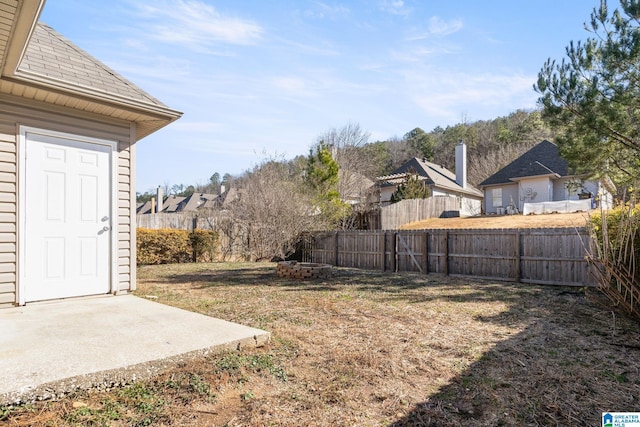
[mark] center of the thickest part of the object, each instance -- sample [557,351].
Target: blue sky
[256,77]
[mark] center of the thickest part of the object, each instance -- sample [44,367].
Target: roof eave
[53,84]
[460,190]
[24,23]
[160,115]
[545,175]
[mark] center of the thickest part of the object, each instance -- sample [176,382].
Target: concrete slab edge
[106,380]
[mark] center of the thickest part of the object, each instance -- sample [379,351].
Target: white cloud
[395,7]
[194,24]
[447,95]
[418,54]
[310,49]
[323,10]
[437,27]
[440,27]
[291,84]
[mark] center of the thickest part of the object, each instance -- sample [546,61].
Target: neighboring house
[440,181]
[541,176]
[172,204]
[68,128]
[354,187]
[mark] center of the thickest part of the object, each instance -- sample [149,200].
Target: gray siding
[15,112]
[509,193]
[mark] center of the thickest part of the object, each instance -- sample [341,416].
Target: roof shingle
[52,56]
[542,159]
[436,175]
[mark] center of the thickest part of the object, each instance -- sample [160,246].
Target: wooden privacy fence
[177,221]
[232,239]
[396,215]
[541,256]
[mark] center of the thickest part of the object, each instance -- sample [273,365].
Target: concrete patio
[53,348]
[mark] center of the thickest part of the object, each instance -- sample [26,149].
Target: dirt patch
[370,349]
[504,221]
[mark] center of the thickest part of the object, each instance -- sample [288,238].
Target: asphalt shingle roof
[542,159]
[52,56]
[436,175]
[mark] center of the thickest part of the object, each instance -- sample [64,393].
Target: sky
[257,79]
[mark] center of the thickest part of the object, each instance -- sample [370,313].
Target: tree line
[491,145]
[277,200]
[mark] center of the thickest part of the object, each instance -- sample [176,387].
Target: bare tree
[270,210]
[481,167]
[346,146]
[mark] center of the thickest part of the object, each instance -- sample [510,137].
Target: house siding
[16,112]
[560,191]
[509,194]
[535,190]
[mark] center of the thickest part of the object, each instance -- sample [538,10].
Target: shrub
[616,256]
[203,244]
[163,246]
[168,246]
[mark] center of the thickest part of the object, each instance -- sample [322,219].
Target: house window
[496,197]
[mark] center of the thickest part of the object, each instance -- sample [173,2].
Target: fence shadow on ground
[558,370]
[363,280]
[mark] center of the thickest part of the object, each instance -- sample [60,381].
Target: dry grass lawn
[371,349]
[504,221]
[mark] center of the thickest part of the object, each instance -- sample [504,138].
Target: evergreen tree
[591,96]
[322,179]
[421,142]
[412,188]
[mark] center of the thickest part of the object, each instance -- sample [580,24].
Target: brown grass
[372,349]
[504,221]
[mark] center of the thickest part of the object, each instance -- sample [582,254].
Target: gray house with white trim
[542,176]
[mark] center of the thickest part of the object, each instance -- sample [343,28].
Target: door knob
[105,228]
[105,218]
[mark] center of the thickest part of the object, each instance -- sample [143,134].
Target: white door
[67,224]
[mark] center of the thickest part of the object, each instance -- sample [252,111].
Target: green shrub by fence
[167,246]
[204,244]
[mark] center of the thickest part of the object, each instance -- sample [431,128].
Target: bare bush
[270,212]
[615,254]
[346,146]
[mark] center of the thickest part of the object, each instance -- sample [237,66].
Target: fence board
[231,237]
[547,256]
[177,221]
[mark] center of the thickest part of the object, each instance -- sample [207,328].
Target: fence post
[336,251]
[394,252]
[426,252]
[518,250]
[446,253]
[384,251]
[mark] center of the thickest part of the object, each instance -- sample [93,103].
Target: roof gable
[542,159]
[436,175]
